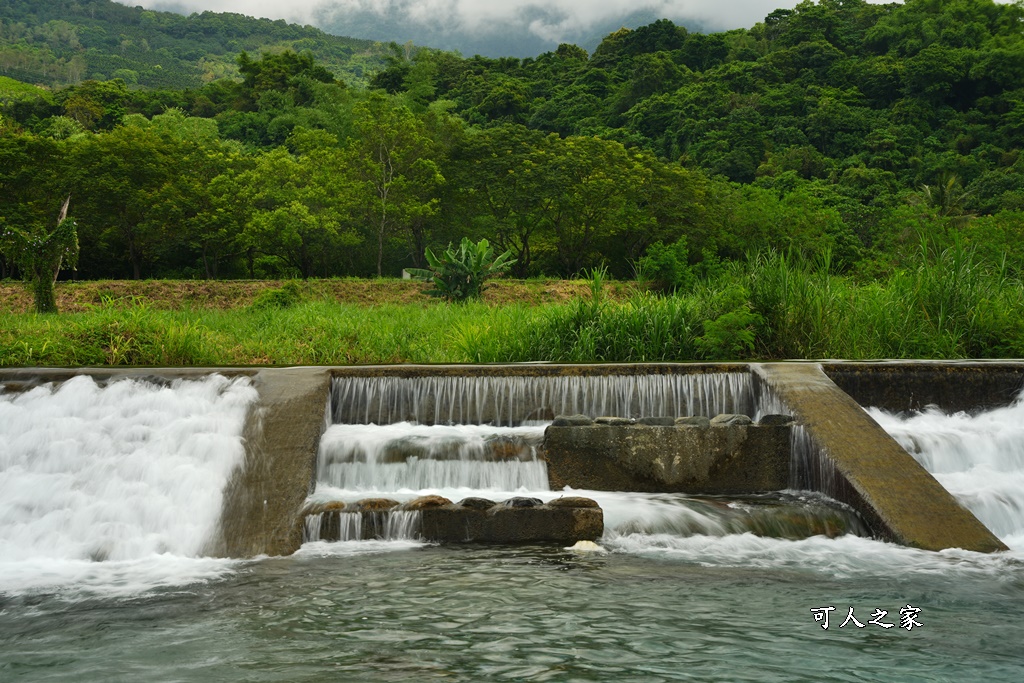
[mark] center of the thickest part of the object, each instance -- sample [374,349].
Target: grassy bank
[79,297]
[950,306]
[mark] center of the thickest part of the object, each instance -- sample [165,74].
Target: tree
[119,177]
[502,176]
[391,160]
[596,193]
[297,205]
[30,175]
[41,254]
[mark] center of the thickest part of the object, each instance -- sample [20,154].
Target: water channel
[108,494]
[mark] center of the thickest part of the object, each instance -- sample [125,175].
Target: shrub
[285,296]
[459,275]
[667,266]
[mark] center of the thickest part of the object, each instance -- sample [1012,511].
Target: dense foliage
[62,42]
[839,130]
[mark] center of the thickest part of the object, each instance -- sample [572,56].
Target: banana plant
[459,274]
[41,254]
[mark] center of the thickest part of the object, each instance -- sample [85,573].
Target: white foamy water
[412,457]
[841,557]
[116,487]
[979,459]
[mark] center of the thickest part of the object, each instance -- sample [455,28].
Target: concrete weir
[637,444]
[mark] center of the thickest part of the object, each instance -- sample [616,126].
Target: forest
[839,131]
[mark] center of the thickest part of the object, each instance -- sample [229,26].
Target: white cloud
[560,17]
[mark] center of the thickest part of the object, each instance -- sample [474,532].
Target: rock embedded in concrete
[573,502]
[657,421]
[729,420]
[572,421]
[614,421]
[424,502]
[693,421]
[522,502]
[507,524]
[318,508]
[475,503]
[516,520]
[375,504]
[775,420]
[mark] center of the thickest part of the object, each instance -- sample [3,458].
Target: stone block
[681,459]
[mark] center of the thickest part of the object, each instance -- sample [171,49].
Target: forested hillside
[840,130]
[63,42]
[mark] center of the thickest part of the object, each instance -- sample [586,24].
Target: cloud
[557,18]
[551,20]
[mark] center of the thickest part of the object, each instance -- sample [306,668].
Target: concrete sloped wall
[858,463]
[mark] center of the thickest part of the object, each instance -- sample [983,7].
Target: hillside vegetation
[63,42]
[872,138]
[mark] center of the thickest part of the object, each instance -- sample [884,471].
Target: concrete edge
[861,465]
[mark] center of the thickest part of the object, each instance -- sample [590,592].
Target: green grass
[949,306]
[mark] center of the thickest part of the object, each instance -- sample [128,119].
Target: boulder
[693,421]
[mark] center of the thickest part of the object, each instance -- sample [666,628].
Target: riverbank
[949,307]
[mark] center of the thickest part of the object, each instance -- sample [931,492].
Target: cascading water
[393,457]
[978,458]
[512,400]
[401,438]
[119,473]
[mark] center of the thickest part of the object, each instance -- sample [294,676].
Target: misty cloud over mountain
[518,28]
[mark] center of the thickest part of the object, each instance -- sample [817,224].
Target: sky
[562,17]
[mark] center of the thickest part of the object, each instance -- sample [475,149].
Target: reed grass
[951,305]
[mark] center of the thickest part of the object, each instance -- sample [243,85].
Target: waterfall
[978,458]
[399,456]
[388,525]
[513,400]
[120,471]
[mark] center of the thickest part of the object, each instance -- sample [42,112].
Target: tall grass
[950,305]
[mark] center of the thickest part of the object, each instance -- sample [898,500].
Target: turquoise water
[734,608]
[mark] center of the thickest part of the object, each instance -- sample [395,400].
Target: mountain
[61,42]
[517,29]
[530,32]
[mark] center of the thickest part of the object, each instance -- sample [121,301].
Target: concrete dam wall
[645,427]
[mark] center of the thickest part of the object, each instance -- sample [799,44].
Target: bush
[285,296]
[667,267]
[460,275]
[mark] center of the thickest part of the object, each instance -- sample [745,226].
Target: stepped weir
[317,437]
